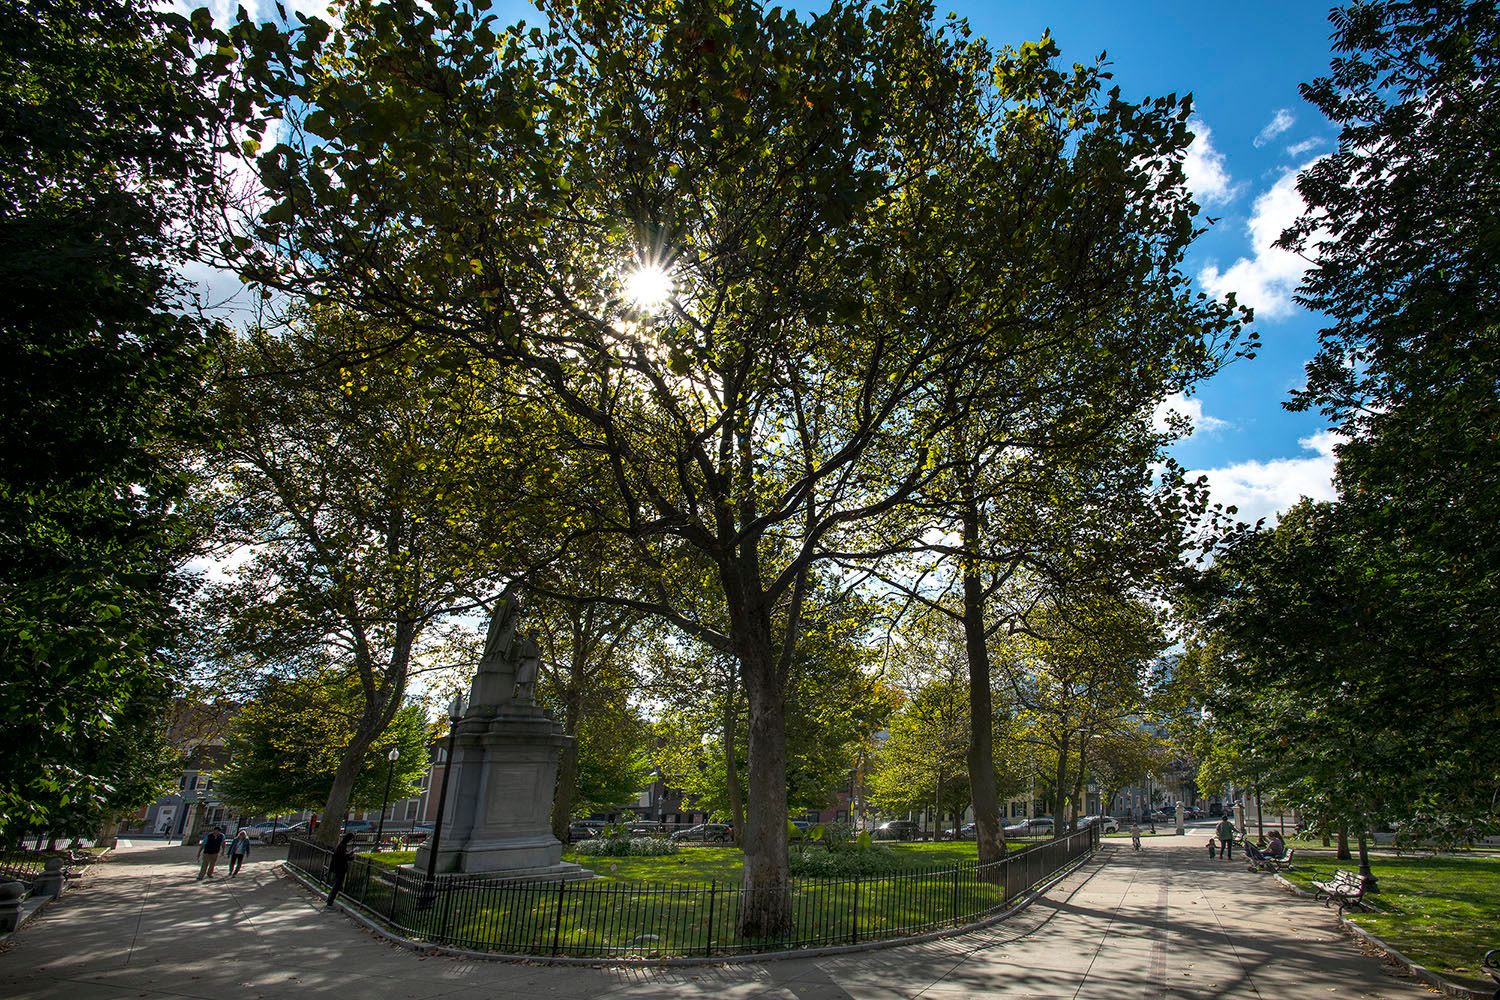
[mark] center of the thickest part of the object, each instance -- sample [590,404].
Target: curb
[428,948]
[1421,972]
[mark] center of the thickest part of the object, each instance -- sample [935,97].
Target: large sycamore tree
[363,496]
[716,241]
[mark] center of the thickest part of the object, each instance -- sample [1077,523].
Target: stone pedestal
[499,812]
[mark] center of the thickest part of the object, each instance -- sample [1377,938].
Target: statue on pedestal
[504,767]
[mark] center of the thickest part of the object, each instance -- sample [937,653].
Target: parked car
[584,829]
[284,833]
[359,826]
[1107,824]
[1037,826]
[706,833]
[647,828]
[256,829]
[898,829]
[802,826]
[1192,812]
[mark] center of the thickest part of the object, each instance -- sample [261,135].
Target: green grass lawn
[687,904]
[697,865]
[1441,912]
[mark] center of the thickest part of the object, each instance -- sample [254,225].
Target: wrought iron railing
[603,919]
[22,866]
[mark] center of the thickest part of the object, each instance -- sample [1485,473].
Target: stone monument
[498,817]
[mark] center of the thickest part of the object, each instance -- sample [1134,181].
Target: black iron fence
[600,919]
[22,866]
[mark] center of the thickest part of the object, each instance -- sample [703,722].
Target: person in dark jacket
[338,866]
[208,852]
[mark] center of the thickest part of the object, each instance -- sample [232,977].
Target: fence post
[442,934]
[854,915]
[713,888]
[956,871]
[562,887]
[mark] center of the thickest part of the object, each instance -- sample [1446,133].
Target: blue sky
[1242,63]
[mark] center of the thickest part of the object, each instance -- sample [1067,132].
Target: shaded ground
[1165,922]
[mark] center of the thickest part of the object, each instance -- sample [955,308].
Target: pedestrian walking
[239,850]
[338,866]
[208,852]
[1225,833]
[1135,834]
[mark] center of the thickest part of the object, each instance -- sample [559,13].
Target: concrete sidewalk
[1165,922]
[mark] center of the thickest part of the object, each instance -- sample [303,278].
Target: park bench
[1270,863]
[1345,888]
[1492,966]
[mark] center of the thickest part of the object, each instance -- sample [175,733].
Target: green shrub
[390,859]
[846,863]
[624,847]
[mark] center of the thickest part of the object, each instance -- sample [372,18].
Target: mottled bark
[988,831]
[766,910]
[566,789]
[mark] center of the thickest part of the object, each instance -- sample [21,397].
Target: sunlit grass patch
[1441,912]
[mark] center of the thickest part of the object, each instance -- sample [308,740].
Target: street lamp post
[385,799]
[1151,801]
[455,716]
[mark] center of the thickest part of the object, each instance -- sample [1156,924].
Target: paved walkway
[1164,923]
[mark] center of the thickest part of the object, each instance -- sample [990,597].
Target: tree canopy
[287,745]
[801,187]
[107,125]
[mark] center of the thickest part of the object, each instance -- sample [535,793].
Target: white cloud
[1266,280]
[1192,409]
[1305,146]
[1279,123]
[1265,489]
[1207,176]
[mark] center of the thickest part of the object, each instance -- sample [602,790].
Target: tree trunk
[108,835]
[1063,748]
[988,832]
[766,910]
[1366,877]
[372,722]
[1343,853]
[567,762]
[1078,783]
